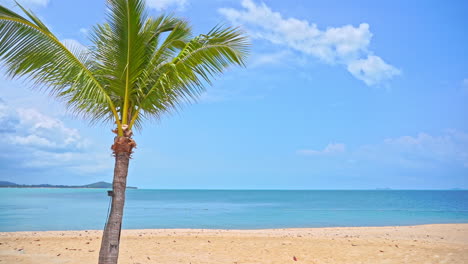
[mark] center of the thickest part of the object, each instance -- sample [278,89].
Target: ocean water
[81,209]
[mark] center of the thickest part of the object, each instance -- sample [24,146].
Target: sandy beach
[447,243]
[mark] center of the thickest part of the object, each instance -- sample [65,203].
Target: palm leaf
[132,72]
[29,49]
[183,79]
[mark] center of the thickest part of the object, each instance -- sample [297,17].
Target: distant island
[96,185]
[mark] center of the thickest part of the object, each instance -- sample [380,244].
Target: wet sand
[447,243]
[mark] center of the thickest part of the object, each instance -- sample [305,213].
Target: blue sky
[335,95]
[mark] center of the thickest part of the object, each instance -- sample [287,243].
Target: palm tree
[137,68]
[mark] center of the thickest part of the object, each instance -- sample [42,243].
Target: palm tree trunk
[109,252]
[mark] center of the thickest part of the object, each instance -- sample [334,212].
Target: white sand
[351,245]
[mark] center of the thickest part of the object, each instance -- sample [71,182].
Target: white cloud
[372,70]
[39,130]
[45,142]
[165,4]
[422,150]
[269,58]
[346,45]
[31,140]
[452,146]
[330,149]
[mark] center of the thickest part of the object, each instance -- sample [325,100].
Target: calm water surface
[79,209]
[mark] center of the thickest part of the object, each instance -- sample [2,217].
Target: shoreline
[435,243]
[242,230]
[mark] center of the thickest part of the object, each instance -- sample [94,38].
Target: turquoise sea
[80,209]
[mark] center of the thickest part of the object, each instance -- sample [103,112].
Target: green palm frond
[137,67]
[29,49]
[183,78]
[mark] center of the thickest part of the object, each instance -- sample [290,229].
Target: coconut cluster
[123,144]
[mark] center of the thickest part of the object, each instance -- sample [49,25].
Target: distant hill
[7,184]
[100,185]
